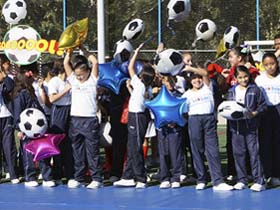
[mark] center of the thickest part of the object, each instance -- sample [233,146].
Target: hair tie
[28,74]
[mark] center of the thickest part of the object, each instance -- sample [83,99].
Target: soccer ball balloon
[24,53]
[178,10]
[231,37]
[33,123]
[123,51]
[14,11]
[133,29]
[231,110]
[205,30]
[169,61]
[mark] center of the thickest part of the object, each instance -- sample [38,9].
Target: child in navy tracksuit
[138,119]
[203,130]
[84,124]
[24,97]
[244,132]
[170,145]
[7,139]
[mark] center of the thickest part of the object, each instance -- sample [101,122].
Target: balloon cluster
[14,11]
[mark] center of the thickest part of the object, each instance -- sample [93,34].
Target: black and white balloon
[231,37]
[14,11]
[178,10]
[123,50]
[33,123]
[133,29]
[205,30]
[169,62]
[27,36]
[231,110]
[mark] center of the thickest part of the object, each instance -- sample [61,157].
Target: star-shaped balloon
[167,108]
[74,35]
[138,66]
[45,146]
[110,76]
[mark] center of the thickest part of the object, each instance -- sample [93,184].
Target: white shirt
[270,88]
[240,94]
[4,112]
[57,85]
[84,102]
[39,93]
[137,97]
[201,101]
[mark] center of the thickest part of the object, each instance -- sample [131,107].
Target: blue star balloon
[110,76]
[138,66]
[167,108]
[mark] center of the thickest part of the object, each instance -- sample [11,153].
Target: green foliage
[47,18]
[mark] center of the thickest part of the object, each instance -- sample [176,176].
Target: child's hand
[20,135]
[249,115]
[139,47]
[225,73]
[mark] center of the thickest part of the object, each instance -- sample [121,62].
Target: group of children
[70,97]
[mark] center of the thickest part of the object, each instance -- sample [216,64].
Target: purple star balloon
[167,108]
[45,146]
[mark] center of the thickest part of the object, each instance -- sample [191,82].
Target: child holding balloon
[203,130]
[24,97]
[138,119]
[245,131]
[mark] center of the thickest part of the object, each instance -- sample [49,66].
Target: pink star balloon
[45,146]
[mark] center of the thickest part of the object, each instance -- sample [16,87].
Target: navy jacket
[22,101]
[254,101]
[6,90]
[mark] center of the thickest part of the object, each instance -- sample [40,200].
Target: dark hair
[47,68]
[22,81]
[171,80]
[277,36]
[147,74]
[273,56]
[244,53]
[80,62]
[244,69]
[270,55]
[58,66]
[30,67]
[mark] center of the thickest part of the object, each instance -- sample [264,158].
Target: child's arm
[200,71]
[94,61]
[56,96]
[66,63]
[131,69]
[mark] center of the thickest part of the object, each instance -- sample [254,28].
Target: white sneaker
[48,184]
[165,185]
[230,178]
[223,187]
[183,178]
[15,181]
[200,186]
[31,184]
[94,185]
[72,183]
[257,187]
[239,186]
[40,177]
[175,185]
[140,185]
[7,176]
[125,183]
